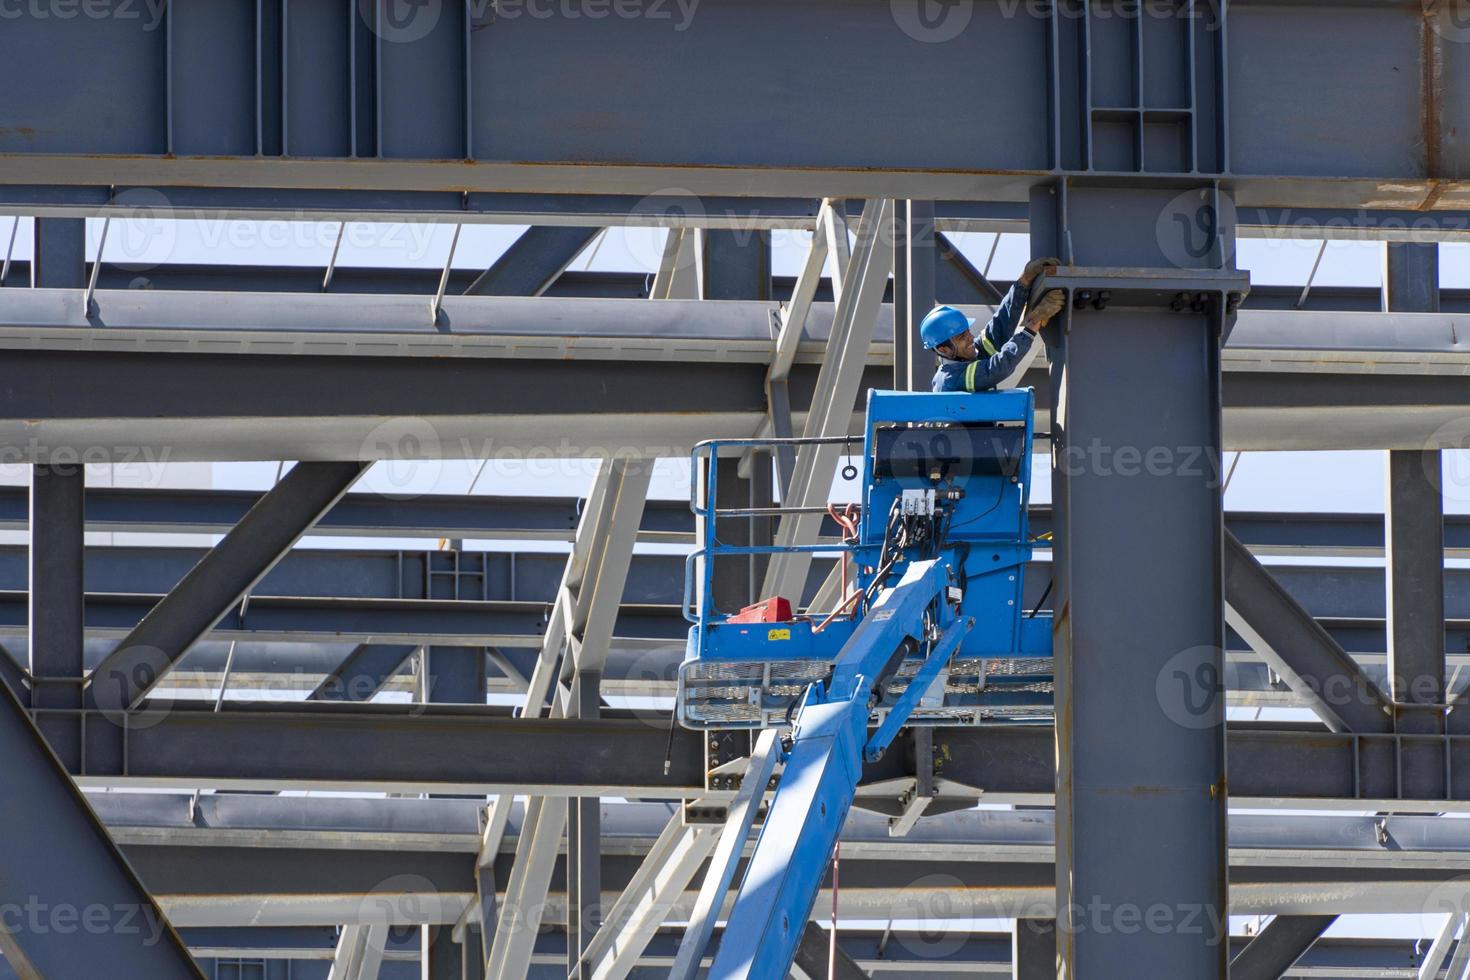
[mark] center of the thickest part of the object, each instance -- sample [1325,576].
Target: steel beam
[82,910]
[1034,949]
[1137,545]
[1414,517]
[813,957]
[698,124]
[737,265]
[440,956]
[740,814]
[60,250]
[838,384]
[514,518]
[573,653]
[591,388]
[220,581]
[55,619]
[1271,953]
[362,675]
[359,952]
[913,366]
[533,262]
[1298,648]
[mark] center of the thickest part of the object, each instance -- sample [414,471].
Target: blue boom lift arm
[932,632]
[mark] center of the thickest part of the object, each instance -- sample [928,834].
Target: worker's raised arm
[1007,317]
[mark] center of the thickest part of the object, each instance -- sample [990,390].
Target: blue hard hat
[943,323]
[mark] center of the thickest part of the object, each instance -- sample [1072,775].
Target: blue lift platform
[932,630]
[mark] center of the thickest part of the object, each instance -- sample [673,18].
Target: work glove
[1048,306]
[1036,267]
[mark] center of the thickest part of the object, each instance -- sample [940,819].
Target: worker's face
[963,347]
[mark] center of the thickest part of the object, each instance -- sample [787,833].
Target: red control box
[777,610]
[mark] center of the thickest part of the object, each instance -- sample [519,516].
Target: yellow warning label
[778,635]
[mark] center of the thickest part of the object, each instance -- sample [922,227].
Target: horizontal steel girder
[482,113]
[361,377]
[243,848]
[429,748]
[669,211]
[508,518]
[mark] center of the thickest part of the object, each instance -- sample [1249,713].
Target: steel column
[914,279]
[863,286]
[1034,949]
[1275,948]
[60,253]
[533,262]
[439,955]
[584,844]
[453,675]
[1140,784]
[57,601]
[737,264]
[219,582]
[1414,518]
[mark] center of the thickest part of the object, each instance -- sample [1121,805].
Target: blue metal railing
[704,460]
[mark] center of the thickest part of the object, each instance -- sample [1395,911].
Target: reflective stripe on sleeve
[970,375]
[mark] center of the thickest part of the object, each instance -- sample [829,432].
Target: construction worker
[964,364]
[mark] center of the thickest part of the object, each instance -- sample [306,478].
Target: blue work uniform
[1001,348]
